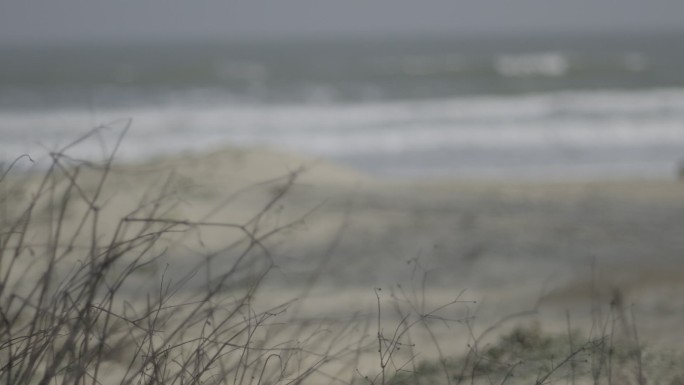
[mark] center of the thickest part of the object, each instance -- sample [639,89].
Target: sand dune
[510,245]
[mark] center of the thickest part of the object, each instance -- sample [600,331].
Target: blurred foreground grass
[87,297]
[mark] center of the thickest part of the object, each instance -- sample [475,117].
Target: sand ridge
[509,244]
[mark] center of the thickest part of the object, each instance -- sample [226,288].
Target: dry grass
[84,300]
[70,313]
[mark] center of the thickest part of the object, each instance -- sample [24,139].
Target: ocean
[604,107]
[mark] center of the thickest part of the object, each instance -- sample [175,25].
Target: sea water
[521,107]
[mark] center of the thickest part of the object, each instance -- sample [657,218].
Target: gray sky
[65,21]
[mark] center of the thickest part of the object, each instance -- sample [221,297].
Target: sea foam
[562,128]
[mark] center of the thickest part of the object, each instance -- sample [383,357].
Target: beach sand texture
[558,248]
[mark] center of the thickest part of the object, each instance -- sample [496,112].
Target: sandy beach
[342,193]
[557,249]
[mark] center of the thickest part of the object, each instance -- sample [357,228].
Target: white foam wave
[568,121]
[551,64]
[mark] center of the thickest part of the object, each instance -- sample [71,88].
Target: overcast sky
[65,21]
